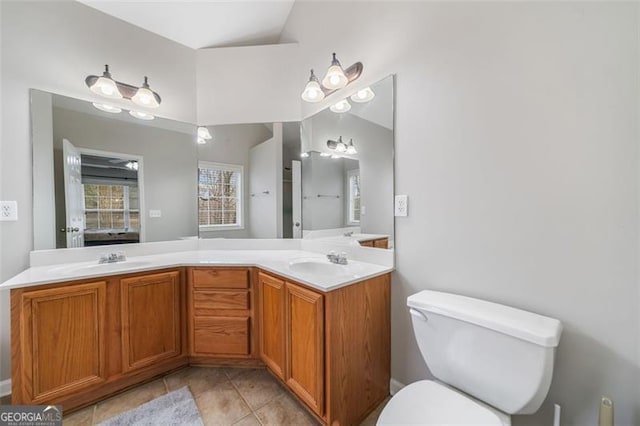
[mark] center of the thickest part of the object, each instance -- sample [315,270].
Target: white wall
[251,84]
[516,141]
[324,176]
[53,46]
[265,175]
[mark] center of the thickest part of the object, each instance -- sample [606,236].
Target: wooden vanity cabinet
[271,318]
[77,342]
[151,319]
[220,315]
[305,345]
[60,343]
[332,349]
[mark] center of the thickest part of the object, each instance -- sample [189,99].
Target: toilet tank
[498,354]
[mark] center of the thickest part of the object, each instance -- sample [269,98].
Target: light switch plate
[401,207]
[8,211]
[155,213]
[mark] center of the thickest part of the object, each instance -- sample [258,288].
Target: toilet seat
[431,403]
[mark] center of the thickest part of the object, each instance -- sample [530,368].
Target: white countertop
[323,276]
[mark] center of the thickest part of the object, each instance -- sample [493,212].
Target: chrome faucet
[340,259]
[116,256]
[348,234]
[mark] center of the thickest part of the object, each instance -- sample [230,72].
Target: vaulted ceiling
[204,23]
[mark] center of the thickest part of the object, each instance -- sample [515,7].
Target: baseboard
[5,387]
[395,386]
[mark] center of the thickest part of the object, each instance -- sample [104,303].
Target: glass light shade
[351,150]
[141,115]
[340,106]
[335,156]
[145,98]
[335,78]
[107,108]
[201,141]
[132,165]
[312,92]
[105,86]
[203,133]
[304,155]
[325,154]
[341,146]
[363,95]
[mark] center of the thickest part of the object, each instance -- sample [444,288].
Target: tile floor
[224,396]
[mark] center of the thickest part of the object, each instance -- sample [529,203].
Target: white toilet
[490,360]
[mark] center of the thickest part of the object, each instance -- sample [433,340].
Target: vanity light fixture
[340,106]
[141,115]
[312,91]
[335,79]
[335,156]
[325,154]
[304,155]
[107,108]
[363,95]
[112,89]
[203,135]
[337,146]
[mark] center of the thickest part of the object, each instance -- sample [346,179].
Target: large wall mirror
[245,186]
[105,177]
[347,169]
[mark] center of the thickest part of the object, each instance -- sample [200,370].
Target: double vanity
[83,331]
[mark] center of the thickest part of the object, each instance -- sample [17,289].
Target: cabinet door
[151,319]
[272,327]
[305,345]
[63,338]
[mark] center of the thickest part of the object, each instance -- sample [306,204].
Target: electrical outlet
[8,210]
[401,205]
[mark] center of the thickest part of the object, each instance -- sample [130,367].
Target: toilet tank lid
[534,328]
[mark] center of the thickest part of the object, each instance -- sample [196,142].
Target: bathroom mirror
[347,169]
[104,178]
[246,185]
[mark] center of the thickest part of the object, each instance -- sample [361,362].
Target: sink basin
[318,267]
[94,268]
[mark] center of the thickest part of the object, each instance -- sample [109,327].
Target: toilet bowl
[489,361]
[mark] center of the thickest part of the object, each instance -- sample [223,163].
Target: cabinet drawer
[220,278]
[206,301]
[221,335]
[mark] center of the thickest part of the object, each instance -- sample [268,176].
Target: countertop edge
[331,283]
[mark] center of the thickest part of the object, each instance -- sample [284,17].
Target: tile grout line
[93,413]
[253,412]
